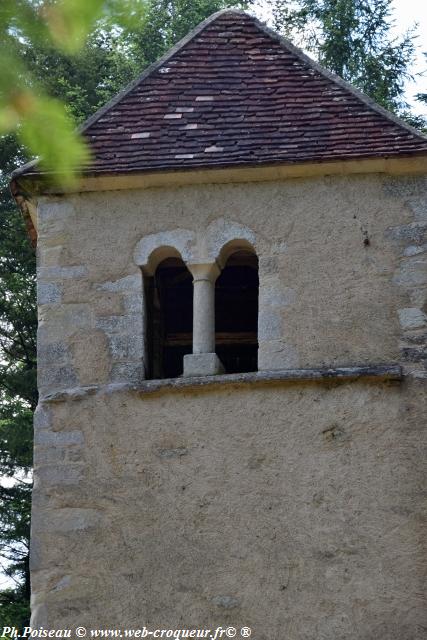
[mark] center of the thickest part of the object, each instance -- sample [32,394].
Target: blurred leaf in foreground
[42,124]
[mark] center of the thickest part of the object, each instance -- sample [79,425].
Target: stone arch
[234,246]
[154,248]
[226,246]
[222,237]
[157,256]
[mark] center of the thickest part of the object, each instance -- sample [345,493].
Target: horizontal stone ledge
[379,372]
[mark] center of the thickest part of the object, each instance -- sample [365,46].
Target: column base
[202,364]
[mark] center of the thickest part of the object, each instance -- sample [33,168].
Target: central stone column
[203,361]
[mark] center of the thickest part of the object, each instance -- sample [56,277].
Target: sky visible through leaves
[406,13]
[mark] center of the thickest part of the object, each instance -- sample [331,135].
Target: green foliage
[112,54]
[416,121]
[352,38]
[100,39]
[422,97]
[43,125]
[70,21]
[24,107]
[17,316]
[87,80]
[14,609]
[18,395]
[164,22]
[62,155]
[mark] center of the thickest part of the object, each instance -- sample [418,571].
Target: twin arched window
[169,307]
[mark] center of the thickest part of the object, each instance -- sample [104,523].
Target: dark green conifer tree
[111,57]
[353,38]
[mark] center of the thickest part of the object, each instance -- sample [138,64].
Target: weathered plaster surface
[299,504]
[339,257]
[293,509]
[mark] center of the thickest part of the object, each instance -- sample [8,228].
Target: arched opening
[236,312]
[169,306]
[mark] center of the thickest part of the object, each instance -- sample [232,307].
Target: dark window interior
[169,295]
[236,313]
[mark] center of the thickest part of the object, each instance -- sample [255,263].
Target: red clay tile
[255,99]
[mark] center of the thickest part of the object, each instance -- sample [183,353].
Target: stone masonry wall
[342,272]
[410,274]
[291,508]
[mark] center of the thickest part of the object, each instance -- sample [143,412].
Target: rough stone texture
[412,318]
[411,272]
[48,293]
[326,297]
[87,326]
[180,239]
[293,508]
[202,364]
[90,357]
[194,247]
[336,374]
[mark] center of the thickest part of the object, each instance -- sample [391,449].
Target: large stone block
[59,322]
[111,304]
[54,378]
[48,292]
[54,217]
[58,475]
[270,323]
[67,519]
[414,233]
[42,418]
[412,318]
[128,284]
[53,353]
[61,273]
[276,354]
[126,347]
[129,324]
[128,372]
[91,357]
[202,364]
[58,438]
[412,273]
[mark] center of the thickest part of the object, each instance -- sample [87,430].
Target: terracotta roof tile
[235,93]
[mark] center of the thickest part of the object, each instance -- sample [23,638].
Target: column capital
[204,271]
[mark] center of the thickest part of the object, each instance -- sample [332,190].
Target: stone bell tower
[232,364]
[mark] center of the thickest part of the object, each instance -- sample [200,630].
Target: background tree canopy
[353,38]
[60,60]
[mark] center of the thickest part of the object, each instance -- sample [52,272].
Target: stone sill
[373,372]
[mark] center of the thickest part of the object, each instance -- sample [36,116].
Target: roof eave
[26,169]
[93,180]
[25,189]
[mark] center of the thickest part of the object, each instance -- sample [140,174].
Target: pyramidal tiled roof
[235,93]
